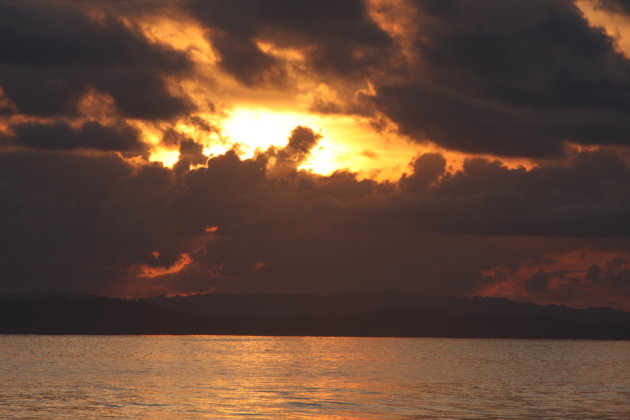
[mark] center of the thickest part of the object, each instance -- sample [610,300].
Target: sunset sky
[443,147]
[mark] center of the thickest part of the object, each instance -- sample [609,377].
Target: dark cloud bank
[51,52]
[519,78]
[87,223]
[339,35]
[509,78]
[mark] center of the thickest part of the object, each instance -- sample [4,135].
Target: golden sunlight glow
[347,142]
[324,158]
[261,118]
[252,120]
[167,157]
[182,34]
[259,129]
[289,54]
[216,150]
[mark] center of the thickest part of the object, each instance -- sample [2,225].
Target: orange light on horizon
[566,275]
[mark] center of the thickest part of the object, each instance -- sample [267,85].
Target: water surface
[223,377]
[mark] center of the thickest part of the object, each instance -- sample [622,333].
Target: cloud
[580,278]
[618,6]
[91,135]
[190,153]
[426,170]
[76,222]
[244,60]
[81,208]
[338,37]
[587,197]
[435,232]
[519,78]
[287,159]
[53,52]
[87,223]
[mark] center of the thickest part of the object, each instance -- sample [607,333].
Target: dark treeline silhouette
[370,314]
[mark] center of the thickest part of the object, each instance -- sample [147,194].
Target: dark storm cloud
[426,170]
[226,189]
[301,141]
[52,52]
[304,232]
[538,284]
[190,153]
[507,77]
[615,276]
[339,36]
[588,197]
[330,233]
[244,60]
[90,135]
[512,78]
[90,223]
[76,222]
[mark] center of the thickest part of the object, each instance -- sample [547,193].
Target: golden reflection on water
[224,377]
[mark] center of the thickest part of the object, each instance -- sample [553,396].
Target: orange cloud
[616,25]
[147,271]
[580,278]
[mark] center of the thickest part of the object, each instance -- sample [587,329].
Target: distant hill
[380,314]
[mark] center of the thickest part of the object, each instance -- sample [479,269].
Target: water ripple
[81,377]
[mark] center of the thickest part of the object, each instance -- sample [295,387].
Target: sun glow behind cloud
[168,157]
[251,120]
[347,143]
[258,129]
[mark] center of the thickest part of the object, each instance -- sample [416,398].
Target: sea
[233,377]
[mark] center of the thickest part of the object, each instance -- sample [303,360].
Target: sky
[441,147]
